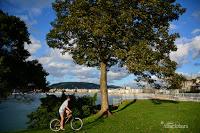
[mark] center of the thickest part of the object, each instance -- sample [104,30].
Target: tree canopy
[15,71]
[129,33]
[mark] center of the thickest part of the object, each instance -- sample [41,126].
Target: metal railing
[176,97]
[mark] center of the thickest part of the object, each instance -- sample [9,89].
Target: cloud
[185,49]
[181,55]
[196,47]
[27,10]
[195,31]
[28,19]
[58,65]
[61,68]
[172,26]
[182,40]
[117,73]
[196,14]
[190,75]
[56,54]
[34,46]
[36,11]
[33,7]
[116,76]
[197,64]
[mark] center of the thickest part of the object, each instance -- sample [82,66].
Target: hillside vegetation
[78,85]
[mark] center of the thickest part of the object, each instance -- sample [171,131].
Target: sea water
[13,112]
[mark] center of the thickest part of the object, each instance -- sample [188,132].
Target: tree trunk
[104,92]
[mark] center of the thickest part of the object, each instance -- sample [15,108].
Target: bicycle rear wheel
[55,125]
[76,123]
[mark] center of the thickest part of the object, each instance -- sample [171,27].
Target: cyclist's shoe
[62,129]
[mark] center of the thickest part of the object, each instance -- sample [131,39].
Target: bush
[86,110]
[81,107]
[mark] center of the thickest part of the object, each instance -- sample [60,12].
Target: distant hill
[79,85]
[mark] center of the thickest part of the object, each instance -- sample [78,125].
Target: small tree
[103,33]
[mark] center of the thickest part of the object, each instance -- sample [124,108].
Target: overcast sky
[38,14]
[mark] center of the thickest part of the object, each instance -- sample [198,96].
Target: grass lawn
[144,116]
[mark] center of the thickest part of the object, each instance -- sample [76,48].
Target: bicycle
[75,123]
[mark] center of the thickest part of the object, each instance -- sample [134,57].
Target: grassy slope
[144,116]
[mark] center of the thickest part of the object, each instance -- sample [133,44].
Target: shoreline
[124,96]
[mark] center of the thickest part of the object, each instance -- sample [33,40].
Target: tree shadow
[89,125]
[125,105]
[99,120]
[159,101]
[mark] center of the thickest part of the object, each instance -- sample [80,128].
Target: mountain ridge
[79,85]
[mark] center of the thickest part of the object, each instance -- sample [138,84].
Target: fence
[176,97]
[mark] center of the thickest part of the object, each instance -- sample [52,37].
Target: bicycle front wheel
[55,125]
[76,123]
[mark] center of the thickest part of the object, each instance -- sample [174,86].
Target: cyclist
[64,109]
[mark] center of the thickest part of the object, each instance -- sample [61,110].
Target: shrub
[86,110]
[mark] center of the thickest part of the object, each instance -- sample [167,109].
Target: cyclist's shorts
[61,112]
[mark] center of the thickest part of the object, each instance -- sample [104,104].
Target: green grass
[143,116]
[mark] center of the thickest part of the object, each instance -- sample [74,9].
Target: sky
[38,14]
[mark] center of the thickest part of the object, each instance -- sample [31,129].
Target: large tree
[36,75]
[131,33]
[15,71]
